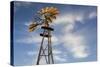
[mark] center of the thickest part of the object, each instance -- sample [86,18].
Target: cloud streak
[72,17]
[58,55]
[29,39]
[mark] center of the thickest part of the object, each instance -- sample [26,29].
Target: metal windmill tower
[46,15]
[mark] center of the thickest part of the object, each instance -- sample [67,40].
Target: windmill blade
[54,17]
[30,30]
[51,10]
[42,10]
[49,18]
[46,9]
[32,27]
[55,12]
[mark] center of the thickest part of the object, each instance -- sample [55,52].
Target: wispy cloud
[17,5]
[30,39]
[76,45]
[31,53]
[72,17]
[59,55]
[92,15]
[59,58]
[26,4]
[28,23]
[57,51]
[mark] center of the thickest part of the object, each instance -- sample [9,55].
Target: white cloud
[76,45]
[59,58]
[34,38]
[72,17]
[19,4]
[68,21]
[26,4]
[30,39]
[28,23]
[60,55]
[65,19]
[92,15]
[56,52]
[54,40]
[69,18]
[68,28]
[31,53]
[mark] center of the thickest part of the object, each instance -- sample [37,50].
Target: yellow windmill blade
[32,27]
[49,13]
[43,10]
[53,16]
[49,19]
[46,9]
[55,9]
[52,9]
[55,12]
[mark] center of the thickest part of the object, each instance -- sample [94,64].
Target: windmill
[46,15]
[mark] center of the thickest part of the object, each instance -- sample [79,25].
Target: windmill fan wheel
[49,13]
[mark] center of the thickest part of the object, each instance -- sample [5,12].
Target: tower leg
[50,54]
[41,47]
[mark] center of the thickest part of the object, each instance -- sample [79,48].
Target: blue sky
[74,38]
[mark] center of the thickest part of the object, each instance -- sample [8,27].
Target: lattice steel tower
[45,51]
[47,14]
